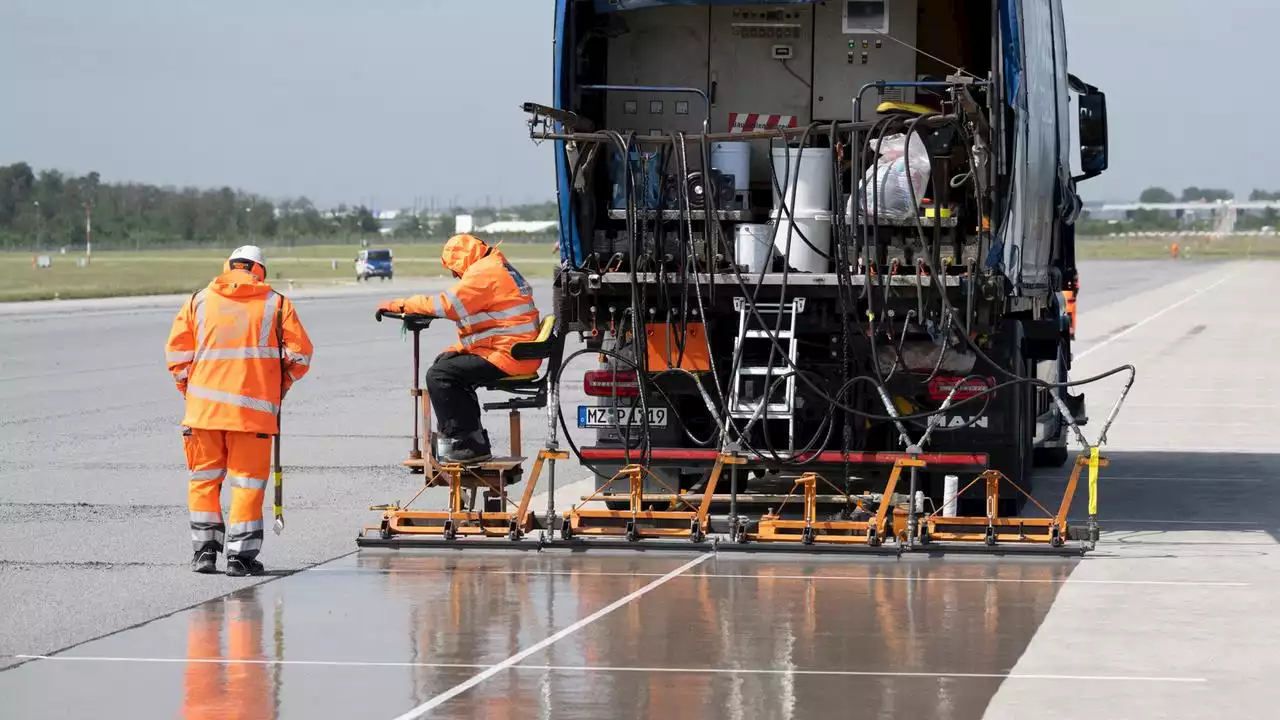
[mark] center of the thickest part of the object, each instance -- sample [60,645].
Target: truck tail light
[940,386]
[606,383]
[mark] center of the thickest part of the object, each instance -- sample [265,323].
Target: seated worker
[493,307]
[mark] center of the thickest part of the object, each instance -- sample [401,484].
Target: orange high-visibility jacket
[224,354]
[492,304]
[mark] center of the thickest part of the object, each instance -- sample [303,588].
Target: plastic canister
[810,171]
[644,167]
[810,241]
[751,246]
[733,158]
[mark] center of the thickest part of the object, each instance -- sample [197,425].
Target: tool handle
[278,476]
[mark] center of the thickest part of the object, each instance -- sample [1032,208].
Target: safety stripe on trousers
[244,537]
[209,474]
[202,535]
[495,332]
[249,483]
[507,314]
[207,527]
[243,401]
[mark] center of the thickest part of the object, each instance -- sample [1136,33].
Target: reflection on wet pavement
[379,634]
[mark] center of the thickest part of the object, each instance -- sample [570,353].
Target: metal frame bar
[635,523]
[458,519]
[871,533]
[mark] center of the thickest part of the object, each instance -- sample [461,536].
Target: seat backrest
[541,347]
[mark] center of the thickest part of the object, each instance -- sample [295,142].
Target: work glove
[391,306]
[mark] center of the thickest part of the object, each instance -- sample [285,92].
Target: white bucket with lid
[733,158]
[752,246]
[813,256]
[810,171]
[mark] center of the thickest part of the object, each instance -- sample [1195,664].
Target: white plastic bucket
[816,228]
[733,158]
[751,246]
[810,172]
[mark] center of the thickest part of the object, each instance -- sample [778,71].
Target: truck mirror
[1093,132]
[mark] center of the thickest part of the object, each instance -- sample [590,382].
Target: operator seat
[534,390]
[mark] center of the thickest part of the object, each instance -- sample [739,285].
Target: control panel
[663,46]
[858,42]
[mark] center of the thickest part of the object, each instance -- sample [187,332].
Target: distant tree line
[1158,220]
[47,210]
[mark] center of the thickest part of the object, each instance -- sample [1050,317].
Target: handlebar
[414,322]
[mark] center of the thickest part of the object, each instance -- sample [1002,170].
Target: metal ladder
[746,410]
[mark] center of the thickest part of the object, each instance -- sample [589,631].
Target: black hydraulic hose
[750,302]
[624,148]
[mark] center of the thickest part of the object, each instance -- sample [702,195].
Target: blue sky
[393,101]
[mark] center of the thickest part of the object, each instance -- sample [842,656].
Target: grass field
[177,271]
[1190,247]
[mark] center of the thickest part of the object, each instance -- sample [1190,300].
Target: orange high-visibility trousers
[239,687]
[244,460]
[204,682]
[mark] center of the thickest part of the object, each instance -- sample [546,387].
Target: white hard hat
[252,253]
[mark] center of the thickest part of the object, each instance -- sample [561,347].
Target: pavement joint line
[114,456]
[1087,351]
[631,669]
[849,578]
[478,678]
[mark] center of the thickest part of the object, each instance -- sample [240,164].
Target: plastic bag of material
[894,176]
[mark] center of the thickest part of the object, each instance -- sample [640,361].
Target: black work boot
[239,567]
[205,562]
[474,448]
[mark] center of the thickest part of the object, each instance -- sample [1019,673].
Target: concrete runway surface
[1167,619]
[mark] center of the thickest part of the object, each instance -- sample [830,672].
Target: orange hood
[238,284]
[461,252]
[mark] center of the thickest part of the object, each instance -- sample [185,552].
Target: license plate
[608,417]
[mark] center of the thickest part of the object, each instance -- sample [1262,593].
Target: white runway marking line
[848,578]
[1177,478]
[627,669]
[462,687]
[1149,318]
[1248,523]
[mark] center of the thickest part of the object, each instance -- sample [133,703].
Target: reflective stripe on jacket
[224,354]
[492,304]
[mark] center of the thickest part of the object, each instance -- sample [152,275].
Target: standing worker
[493,306]
[224,352]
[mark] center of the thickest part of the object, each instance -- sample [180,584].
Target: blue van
[373,263]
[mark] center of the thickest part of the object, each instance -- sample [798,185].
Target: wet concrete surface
[1166,619]
[381,633]
[93,486]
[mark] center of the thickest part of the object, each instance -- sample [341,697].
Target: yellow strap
[1093,481]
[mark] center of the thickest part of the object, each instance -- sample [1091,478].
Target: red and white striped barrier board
[750,122]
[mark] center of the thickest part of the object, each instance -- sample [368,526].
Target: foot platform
[496,515]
